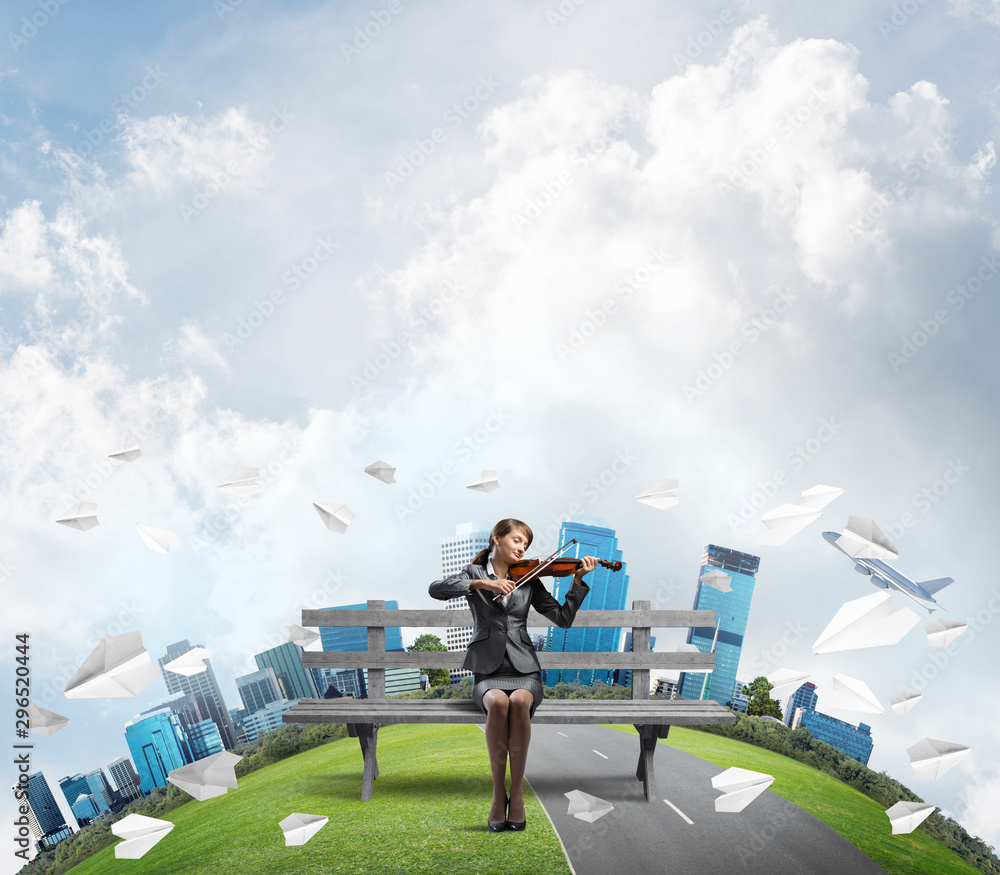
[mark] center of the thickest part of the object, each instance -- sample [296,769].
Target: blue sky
[749,246]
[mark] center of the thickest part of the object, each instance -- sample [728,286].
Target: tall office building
[741,701]
[731,612]
[158,744]
[457,551]
[285,661]
[45,820]
[856,742]
[73,787]
[266,719]
[84,809]
[258,689]
[804,697]
[126,780]
[608,592]
[203,684]
[100,789]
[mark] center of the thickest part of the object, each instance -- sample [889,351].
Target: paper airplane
[208,777]
[45,722]
[83,517]
[118,666]
[905,817]
[718,579]
[336,517]
[583,806]
[301,636]
[850,694]
[660,495]
[382,471]
[865,622]
[159,540]
[485,482]
[820,496]
[740,787]
[140,834]
[785,521]
[785,681]
[863,539]
[931,758]
[190,663]
[128,452]
[299,828]
[902,701]
[942,632]
[241,482]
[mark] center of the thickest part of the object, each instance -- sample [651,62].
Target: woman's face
[511,547]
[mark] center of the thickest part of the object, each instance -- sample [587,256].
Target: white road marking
[563,734]
[599,753]
[681,813]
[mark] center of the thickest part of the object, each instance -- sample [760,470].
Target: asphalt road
[683,834]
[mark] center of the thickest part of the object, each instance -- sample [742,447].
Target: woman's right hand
[501,586]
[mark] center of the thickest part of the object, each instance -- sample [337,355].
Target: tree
[438,677]
[761,704]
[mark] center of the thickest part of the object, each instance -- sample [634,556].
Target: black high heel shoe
[502,825]
[514,826]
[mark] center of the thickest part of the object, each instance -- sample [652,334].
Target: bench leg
[367,735]
[648,734]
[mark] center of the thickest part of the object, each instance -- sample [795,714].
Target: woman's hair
[501,530]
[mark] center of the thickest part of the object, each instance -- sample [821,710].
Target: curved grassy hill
[429,809]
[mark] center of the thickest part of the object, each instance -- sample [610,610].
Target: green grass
[857,818]
[427,815]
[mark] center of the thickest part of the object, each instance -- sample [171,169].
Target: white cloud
[23,247]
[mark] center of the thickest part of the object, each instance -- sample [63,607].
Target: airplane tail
[932,586]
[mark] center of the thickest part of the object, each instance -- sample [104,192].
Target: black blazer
[500,629]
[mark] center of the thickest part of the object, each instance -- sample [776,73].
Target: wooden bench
[652,718]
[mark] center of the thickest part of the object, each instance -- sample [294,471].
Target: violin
[553,568]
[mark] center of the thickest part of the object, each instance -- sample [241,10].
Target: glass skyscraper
[202,684]
[126,780]
[804,697]
[731,612]
[457,551]
[46,820]
[856,742]
[258,689]
[158,745]
[608,591]
[286,662]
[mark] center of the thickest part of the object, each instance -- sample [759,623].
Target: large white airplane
[865,543]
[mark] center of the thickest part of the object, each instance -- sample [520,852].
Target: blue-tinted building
[732,609]
[608,592]
[258,689]
[741,701]
[804,697]
[203,687]
[158,745]
[266,718]
[355,638]
[84,809]
[46,820]
[73,787]
[349,681]
[204,739]
[286,662]
[854,741]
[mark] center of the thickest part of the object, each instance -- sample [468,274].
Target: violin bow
[545,563]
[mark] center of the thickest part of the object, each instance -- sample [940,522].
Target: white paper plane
[717,579]
[865,622]
[903,701]
[583,806]
[158,540]
[785,681]
[118,666]
[931,758]
[820,496]
[382,471]
[943,632]
[128,452]
[190,663]
[140,834]
[660,495]
[785,521]
[740,787]
[486,482]
[208,777]
[336,517]
[241,482]
[45,722]
[904,817]
[83,517]
[299,828]
[863,539]
[301,636]
[850,694]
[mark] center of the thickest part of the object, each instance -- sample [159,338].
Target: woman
[508,678]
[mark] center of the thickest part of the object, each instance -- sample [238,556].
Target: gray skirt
[508,678]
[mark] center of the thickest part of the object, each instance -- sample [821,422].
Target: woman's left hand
[587,564]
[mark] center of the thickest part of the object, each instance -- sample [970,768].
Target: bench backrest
[641,619]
